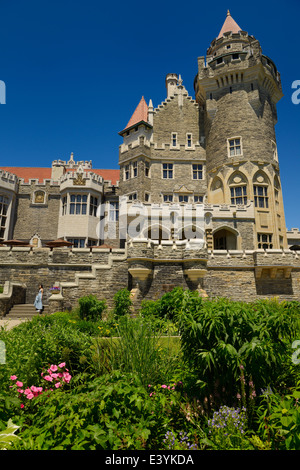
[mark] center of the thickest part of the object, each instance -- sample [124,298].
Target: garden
[184,373]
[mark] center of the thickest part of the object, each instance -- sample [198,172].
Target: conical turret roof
[229,25]
[140,114]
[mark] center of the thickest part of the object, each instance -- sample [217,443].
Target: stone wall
[149,269]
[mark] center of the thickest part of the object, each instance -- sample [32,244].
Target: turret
[238,88]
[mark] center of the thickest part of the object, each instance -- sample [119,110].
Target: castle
[204,174]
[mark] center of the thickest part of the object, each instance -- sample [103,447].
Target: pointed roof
[229,25]
[140,114]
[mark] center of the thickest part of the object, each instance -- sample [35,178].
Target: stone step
[24,311]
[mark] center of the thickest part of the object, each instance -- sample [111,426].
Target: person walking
[38,303]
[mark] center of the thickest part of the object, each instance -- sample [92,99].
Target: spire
[229,25]
[140,114]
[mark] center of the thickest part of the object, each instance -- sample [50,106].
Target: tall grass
[140,350]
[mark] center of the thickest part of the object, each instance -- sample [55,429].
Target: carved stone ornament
[79,181]
[39,197]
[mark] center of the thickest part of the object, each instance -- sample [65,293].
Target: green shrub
[90,308]
[279,420]
[44,340]
[218,336]
[122,303]
[113,412]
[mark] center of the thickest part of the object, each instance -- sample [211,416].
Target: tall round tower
[237,87]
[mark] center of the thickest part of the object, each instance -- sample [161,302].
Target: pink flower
[61,365]
[54,376]
[48,378]
[53,368]
[66,377]
[30,396]
[13,377]
[22,406]
[57,385]
[20,390]
[19,384]
[163,386]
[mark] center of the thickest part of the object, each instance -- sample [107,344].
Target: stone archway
[225,239]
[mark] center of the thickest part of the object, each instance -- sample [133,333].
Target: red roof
[108,175]
[229,25]
[140,114]
[40,174]
[29,172]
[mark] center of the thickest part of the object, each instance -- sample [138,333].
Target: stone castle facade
[204,172]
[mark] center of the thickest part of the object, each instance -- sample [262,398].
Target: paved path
[9,324]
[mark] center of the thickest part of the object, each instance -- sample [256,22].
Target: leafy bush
[170,305]
[122,303]
[44,340]
[218,336]
[279,420]
[112,412]
[90,308]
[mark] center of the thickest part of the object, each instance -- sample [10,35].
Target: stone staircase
[24,311]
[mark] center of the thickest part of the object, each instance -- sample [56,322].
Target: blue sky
[75,71]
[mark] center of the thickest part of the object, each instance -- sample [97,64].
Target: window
[235,56]
[147,169]
[134,169]
[235,147]
[126,172]
[3,214]
[220,60]
[197,172]
[91,242]
[261,196]
[183,198]
[132,197]
[147,197]
[189,140]
[77,242]
[93,205]
[113,211]
[264,241]
[167,170]
[64,205]
[238,195]
[174,139]
[198,199]
[168,197]
[78,204]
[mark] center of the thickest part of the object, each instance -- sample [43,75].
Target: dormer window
[219,60]
[189,140]
[235,56]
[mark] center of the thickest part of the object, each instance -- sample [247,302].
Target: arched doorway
[225,239]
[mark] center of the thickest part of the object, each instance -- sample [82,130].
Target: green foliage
[90,308]
[133,387]
[7,436]
[138,350]
[170,305]
[218,336]
[44,340]
[122,303]
[112,412]
[279,420]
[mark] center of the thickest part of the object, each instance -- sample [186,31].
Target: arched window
[260,190]
[238,186]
